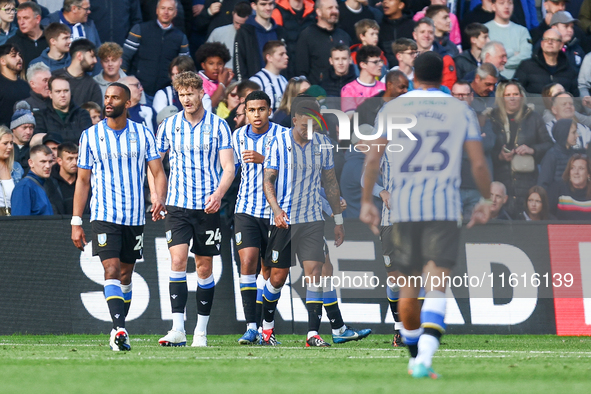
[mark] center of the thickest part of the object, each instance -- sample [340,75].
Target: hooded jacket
[390,31]
[248,46]
[533,74]
[465,63]
[555,160]
[52,64]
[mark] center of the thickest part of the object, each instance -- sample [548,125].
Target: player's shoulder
[276,129]
[216,121]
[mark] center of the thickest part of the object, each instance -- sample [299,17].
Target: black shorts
[416,243]
[387,246]
[110,240]
[304,240]
[182,225]
[251,232]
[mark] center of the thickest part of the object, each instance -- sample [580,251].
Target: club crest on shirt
[275,256]
[102,240]
[387,261]
[238,238]
[169,236]
[316,149]
[206,128]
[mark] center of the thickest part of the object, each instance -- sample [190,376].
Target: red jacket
[308,9]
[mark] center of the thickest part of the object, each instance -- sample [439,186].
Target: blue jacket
[11,32]
[52,64]
[89,28]
[30,199]
[114,18]
[17,172]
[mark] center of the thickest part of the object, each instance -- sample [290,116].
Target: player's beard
[117,111]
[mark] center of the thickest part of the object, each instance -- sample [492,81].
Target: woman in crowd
[521,142]
[536,207]
[570,198]
[11,172]
[229,102]
[295,86]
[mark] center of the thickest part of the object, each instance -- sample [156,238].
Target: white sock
[428,345]
[398,325]
[251,326]
[178,322]
[339,331]
[312,333]
[201,324]
[268,325]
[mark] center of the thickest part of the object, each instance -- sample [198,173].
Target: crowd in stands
[524,69]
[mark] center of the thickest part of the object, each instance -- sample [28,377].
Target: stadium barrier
[511,278]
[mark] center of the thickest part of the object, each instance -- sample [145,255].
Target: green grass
[469,364]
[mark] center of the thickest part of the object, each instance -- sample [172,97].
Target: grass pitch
[468,364]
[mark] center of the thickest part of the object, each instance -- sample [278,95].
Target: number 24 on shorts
[213,236]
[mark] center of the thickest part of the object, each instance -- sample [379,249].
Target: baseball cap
[562,17]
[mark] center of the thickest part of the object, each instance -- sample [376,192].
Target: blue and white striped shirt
[251,197]
[273,85]
[117,159]
[195,167]
[300,170]
[425,178]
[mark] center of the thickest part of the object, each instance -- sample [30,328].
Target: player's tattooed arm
[269,178]
[331,187]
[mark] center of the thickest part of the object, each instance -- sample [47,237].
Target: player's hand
[370,216]
[214,8]
[78,237]
[158,209]
[213,203]
[251,156]
[480,214]
[385,196]
[339,235]
[343,204]
[281,219]
[226,76]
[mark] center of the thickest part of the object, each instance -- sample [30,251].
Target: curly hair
[212,49]
[187,79]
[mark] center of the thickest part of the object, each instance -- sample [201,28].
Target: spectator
[12,88]
[340,73]
[515,38]
[244,89]
[229,102]
[52,141]
[168,96]
[114,19]
[570,197]
[11,171]
[549,64]
[396,84]
[554,162]
[61,185]
[439,14]
[240,119]
[520,132]
[215,13]
[482,13]
[38,75]
[57,55]
[7,26]
[356,92]
[83,87]
[250,40]
[22,126]
[537,206]
[29,38]
[549,91]
[585,17]
[563,107]
[269,78]
[295,16]
[454,34]
[498,195]
[316,41]
[227,33]
[551,7]
[151,46]
[137,112]
[29,197]
[94,110]
[295,86]
[63,117]
[75,16]
[485,81]
[494,53]
[424,35]
[367,31]
[564,23]
[110,54]
[395,24]
[351,12]
[212,57]
[468,61]
[406,51]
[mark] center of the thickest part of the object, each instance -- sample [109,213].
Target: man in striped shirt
[201,171]
[295,166]
[425,199]
[269,78]
[112,158]
[252,213]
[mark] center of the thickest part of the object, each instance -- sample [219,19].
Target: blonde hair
[187,79]
[6,131]
[291,91]
[500,104]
